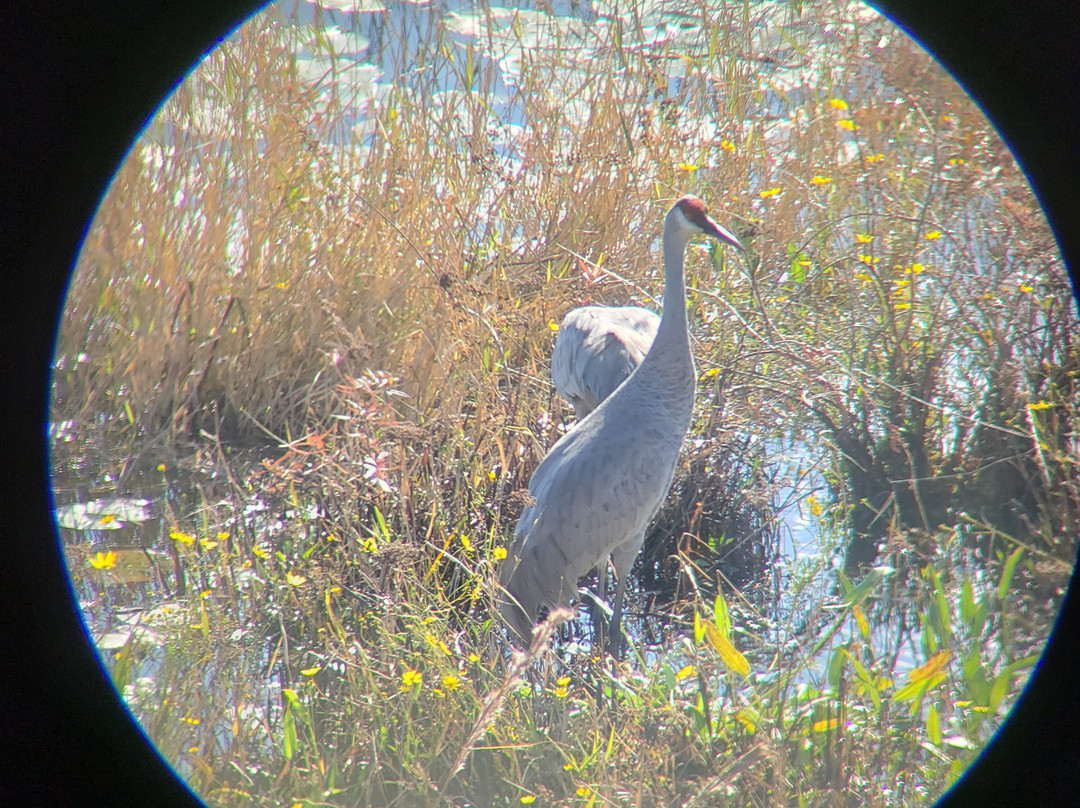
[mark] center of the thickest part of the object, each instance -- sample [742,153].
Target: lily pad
[103,514]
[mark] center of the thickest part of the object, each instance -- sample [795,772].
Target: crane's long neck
[666,374]
[672,334]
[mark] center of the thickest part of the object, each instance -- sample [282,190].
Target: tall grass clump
[312,322]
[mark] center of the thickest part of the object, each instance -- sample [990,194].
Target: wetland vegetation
[302,381]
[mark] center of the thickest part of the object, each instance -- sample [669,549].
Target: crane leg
[599,624]
[615,640]
[622,559]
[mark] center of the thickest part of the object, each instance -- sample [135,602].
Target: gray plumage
[600,485]
[597,348]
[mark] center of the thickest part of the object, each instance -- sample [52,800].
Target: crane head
[692,215]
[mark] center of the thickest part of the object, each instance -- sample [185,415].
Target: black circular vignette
[77,82]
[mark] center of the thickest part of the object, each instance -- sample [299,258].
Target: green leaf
[836,667]
[797,268]
[1007,573]
[913,691]
[721,616]
[1003,682]
[697,717]
[967,602]
[944,616]
[1000,689]
[975,678]
[933,725]
[1025,662]
[288,739]
[928,636]
[866,681]
[867,585]
[383,529]
[669,679]
[846,586]
[978,620]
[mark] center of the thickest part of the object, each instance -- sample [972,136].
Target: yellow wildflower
[103,561]
[435,642]
[180,536]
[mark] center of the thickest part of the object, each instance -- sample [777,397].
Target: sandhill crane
[597,348]
[600,485]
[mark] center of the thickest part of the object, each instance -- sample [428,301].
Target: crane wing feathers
[597,348]
[591,496]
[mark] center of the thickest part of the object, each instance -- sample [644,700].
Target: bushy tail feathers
[515,618]
[516,608]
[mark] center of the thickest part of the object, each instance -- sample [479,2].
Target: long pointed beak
[723,234]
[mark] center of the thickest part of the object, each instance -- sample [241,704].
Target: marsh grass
[326,347]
